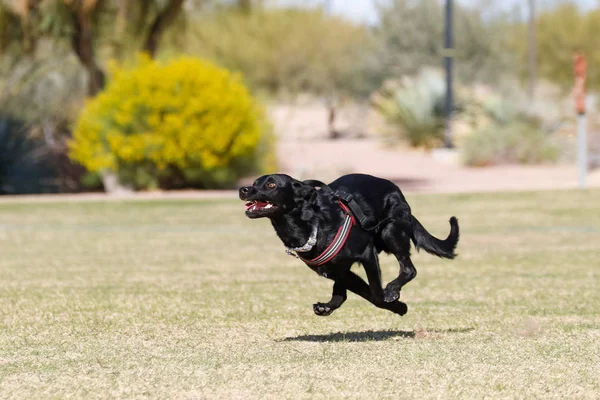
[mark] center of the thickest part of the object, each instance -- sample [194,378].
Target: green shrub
[517,142]
[181,124]
[561,31]
[287,50]
[414,108]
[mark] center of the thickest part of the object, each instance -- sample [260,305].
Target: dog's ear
[304,196]
[302,192]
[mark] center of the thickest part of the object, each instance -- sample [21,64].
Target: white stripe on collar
[310,243]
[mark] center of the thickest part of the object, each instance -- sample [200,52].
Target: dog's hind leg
[370,262]
[398,243]
[407,274]
[357,285]
[337,299]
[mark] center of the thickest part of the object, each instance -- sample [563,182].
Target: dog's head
[273,195]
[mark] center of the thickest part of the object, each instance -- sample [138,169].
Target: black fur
[295,206]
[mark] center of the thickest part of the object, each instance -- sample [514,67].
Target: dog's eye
[271,185]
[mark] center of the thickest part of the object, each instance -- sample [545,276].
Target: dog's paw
[398,307]
[322,309]
[390,294]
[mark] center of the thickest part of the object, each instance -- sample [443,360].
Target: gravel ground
[414,171]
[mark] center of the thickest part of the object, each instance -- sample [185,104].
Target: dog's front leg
[337,299]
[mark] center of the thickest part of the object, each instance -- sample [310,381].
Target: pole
[448,62]
[582,149]
[330,99]
[580,67]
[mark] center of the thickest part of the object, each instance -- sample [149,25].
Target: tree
[41,43]
[410,34]
[285,50]
[531,49]
[562,32]
[88,26]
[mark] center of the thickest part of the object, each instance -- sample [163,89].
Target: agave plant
[414,106]
[23,164]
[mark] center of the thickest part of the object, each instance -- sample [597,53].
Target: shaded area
[372,336]
[24,164]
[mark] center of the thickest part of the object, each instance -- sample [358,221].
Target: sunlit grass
[189,299]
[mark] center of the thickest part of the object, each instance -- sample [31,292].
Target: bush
[25,167]
[494,128]
[517,142]
[287,50]
[480,32]
[561,31]
[45,94]
[187,123]
[413,108]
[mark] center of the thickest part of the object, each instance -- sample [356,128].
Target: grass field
[189,299]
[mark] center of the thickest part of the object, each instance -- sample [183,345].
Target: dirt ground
[418,171]
[304,152]
[413,171]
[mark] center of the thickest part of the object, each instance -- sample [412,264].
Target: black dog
[350,220]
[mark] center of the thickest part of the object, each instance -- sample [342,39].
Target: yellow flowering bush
[183,123]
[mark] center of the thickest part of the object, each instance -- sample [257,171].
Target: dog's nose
[244,191]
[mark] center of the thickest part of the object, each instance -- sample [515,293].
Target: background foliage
[286,51]
[410,35]
[562,32]
[25,166]
[54,53]
[414,107]
[185,123]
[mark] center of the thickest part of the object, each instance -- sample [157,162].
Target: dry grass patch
[189,299]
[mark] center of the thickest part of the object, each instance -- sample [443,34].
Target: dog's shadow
[373,336]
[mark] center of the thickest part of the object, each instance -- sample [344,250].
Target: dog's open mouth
[257,205]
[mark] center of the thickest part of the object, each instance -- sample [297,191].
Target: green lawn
[191,300]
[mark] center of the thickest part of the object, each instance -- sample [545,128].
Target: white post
[582,148]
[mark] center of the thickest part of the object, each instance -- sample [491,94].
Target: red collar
[338,241]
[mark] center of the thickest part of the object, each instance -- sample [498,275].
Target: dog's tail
[441,248]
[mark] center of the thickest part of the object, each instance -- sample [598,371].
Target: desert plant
[286,50]
[46,95]
[24,165]
[413,107]
[405,47]
[87,27]
[519,142]
[183,123]
[480,107]
[562,30]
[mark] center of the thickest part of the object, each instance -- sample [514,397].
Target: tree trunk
[245,6]
[531,50]
[83,46]
[161,21]
[331,116]
[111,184]
[121,29]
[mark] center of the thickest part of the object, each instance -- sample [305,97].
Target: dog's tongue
[256,205]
